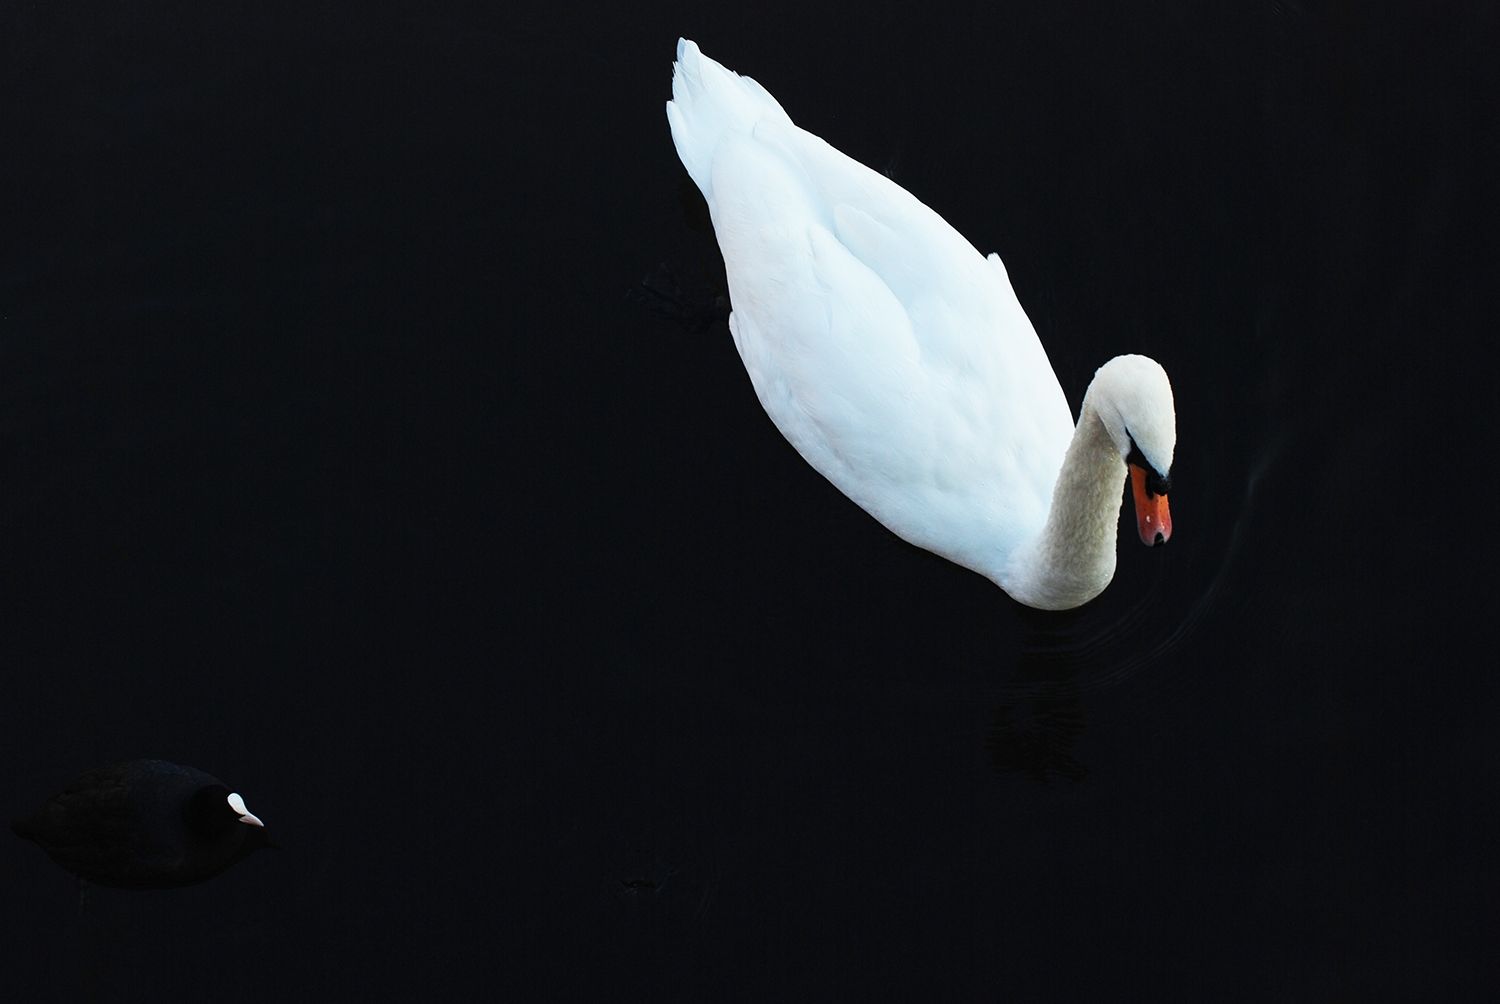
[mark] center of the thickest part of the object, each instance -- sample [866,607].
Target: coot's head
[214,810]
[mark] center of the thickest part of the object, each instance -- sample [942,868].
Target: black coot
[147,824]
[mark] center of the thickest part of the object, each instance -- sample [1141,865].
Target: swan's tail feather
[709,102]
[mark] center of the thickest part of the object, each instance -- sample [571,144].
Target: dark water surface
[335,461]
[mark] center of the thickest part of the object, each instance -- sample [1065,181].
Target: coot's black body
[147,824]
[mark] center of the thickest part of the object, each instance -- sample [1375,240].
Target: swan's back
[892,355]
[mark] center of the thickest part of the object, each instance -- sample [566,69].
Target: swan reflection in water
[1063,654]
[1039,716]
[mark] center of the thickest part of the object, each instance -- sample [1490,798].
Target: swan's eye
[1156,484]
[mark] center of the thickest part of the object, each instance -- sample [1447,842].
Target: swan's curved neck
[1073,558]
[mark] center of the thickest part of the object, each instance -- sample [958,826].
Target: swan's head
[1134,401]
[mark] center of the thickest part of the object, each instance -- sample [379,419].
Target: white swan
[898,362]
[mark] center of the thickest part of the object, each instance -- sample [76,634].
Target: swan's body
[898,361]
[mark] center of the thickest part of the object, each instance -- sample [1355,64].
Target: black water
[335,460]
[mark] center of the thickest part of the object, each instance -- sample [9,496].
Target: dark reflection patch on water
[641,871]
[1036,727]
[1039,716]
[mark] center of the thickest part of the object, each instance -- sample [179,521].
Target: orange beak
[1152,517]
